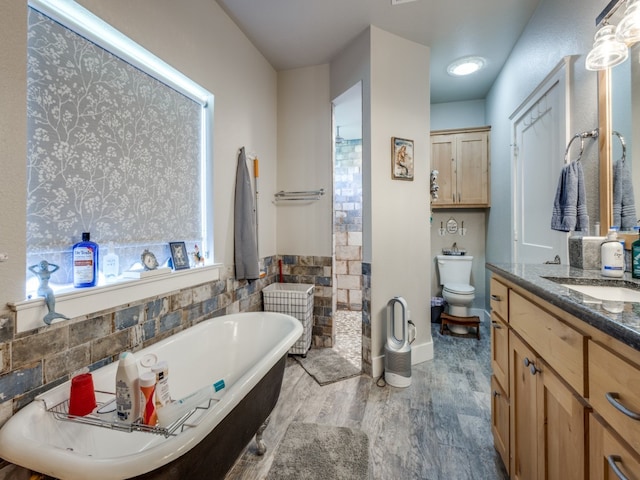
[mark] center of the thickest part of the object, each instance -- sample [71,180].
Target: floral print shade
[111,150]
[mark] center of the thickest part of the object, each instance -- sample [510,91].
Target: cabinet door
[561,429]
[500,421]
[500,351]
[472,167]
[609,457]
[523,422]
[443,160]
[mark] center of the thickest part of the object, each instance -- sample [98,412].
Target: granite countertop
[617,319]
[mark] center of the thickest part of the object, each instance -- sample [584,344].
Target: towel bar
[304,195]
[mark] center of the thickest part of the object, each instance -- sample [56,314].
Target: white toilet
[455,275]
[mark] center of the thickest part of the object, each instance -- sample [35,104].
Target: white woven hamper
[295,299]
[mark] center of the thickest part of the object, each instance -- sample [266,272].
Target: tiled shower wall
[35,361]
[348,224]
[367,365]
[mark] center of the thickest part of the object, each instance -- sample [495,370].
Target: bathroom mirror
[619,107]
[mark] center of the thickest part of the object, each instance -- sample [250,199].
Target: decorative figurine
[44,290]
[198,259]
[149,260]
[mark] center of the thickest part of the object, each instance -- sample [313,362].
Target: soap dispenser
[612,254]
[635,257]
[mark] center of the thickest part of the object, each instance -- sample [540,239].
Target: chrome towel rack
[300,196]
[582,135]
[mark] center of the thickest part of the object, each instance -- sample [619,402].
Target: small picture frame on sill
[401,159]
[179,256]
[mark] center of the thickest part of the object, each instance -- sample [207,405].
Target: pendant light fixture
[628,31]
[607,51]
[338,139]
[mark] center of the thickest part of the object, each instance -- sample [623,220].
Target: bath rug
[321,452]
[325,365]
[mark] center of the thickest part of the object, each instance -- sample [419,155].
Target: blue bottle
[85,262]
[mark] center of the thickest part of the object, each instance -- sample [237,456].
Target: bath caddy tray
[104,415]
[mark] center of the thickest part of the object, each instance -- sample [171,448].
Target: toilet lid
[459,288]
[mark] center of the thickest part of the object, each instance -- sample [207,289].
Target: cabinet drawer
[500,351]
[607,454]
[611,376]
[500,421]
[562,347]
[500,299]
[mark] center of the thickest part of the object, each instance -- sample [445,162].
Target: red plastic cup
[82,399]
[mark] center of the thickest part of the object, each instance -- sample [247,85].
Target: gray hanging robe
[246,240]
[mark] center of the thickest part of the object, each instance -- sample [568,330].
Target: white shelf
[85,302]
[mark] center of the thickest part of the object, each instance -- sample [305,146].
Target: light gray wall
[445,116]
[557,29]
[304,160]
[202,42]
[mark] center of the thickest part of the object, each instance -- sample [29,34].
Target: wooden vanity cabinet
[542,392]
[462,160]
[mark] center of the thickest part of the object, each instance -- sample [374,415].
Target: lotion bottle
[612,254]
[127,389]
[85,262]
[110,264]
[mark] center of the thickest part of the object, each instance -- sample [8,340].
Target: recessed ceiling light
[466,66]
[398,2]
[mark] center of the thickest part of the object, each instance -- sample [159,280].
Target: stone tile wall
[35,361]
[348,224]
[367,364]
[316,271]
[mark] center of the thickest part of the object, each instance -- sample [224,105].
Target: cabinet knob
[613,397]
[496,393]
[496,298]
[532,366]
[613,463]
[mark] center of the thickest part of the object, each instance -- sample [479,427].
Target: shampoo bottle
[110,264]
[85,262]
[612,254]
[161,371]
[148,388]
[127,389]
[635,258]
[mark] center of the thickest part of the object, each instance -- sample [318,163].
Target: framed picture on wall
[179,255]
[401,159]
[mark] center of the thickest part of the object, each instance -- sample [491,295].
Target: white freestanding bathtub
[246,350]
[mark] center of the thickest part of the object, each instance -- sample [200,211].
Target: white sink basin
[609,294]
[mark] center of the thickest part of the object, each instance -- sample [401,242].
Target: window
[118,144]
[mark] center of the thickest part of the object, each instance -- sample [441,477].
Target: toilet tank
[455,268]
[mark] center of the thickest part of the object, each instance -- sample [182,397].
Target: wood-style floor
[438,428]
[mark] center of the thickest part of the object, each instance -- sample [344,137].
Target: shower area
[347,225]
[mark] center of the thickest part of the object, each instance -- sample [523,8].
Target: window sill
[88,301]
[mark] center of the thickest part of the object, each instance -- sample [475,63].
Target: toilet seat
[458,289]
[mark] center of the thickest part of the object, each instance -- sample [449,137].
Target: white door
[539,132]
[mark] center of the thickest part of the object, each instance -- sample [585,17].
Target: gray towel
[624,207]
[569,206]
[246,240]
